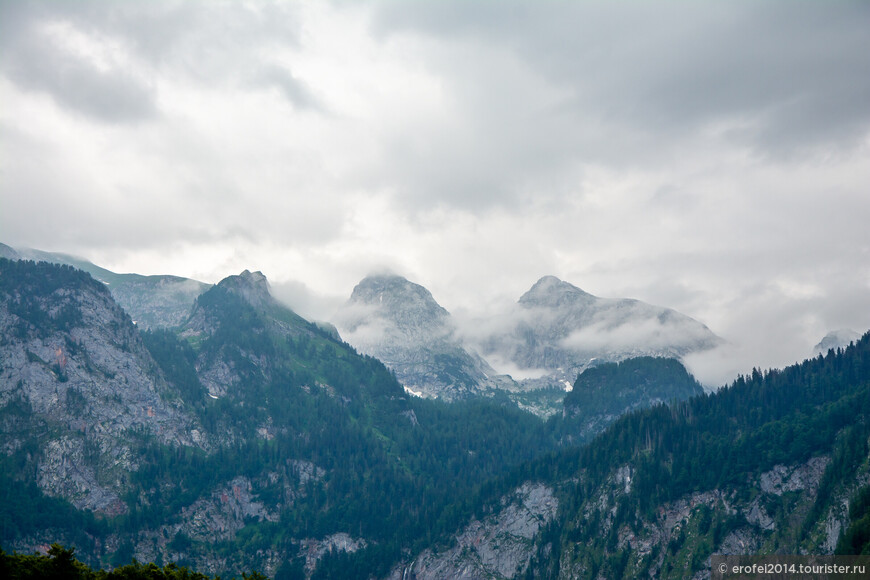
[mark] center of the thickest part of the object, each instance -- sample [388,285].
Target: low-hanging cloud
[637,336]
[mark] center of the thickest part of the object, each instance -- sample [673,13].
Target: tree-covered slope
[767,464]
[308,452]
[604,393]
[248,439]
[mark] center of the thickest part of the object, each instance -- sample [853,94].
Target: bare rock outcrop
[499,546]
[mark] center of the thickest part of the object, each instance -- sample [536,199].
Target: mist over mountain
[247,438]
[9,252]
[555,330]
[401,324]
[835,339]
[532,352]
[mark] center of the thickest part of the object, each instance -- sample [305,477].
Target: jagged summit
[552,292]
[252,286]
[399,322]
[398,300]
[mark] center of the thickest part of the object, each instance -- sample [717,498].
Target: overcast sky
[711,157]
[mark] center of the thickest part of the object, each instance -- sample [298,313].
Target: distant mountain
[250,439]
[556,330]
[836,339]
[776,463]
[244,304]
[9,252]
[400,323]
[152,301]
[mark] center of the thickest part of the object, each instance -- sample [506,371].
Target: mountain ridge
[557,330]
[154,301]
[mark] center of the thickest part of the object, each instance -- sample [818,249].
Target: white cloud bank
[708,157]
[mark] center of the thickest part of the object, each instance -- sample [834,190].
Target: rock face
[556,330]
[222,514]
[726,520]
[9,252]
[401,324]
[73,362]
[499,546]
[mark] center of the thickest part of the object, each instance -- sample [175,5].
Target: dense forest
[719,441]
[603,393]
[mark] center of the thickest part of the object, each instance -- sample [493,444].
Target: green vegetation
[611,388]
[25,287]
[856,539]
[603,393]
[329,442]
[720,441]
[60,562]
[398,471]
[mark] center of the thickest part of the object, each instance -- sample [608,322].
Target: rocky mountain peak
[399,322]
[835,339]
[398,299]
[552,292]
[252,286]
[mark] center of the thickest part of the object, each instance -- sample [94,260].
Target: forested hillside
[604,393]
[250,440]
[306,450]
[768,464]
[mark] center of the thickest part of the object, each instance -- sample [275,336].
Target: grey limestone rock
[499,546]
[401,324]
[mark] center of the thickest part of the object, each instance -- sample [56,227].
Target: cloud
[80,70]
[304,301]
[707,157]
[635,335]
[296,91]
[789,74]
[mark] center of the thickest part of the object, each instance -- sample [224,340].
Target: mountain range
[554,332]
[248,438]
[532,352]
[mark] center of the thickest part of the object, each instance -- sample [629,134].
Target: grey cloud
[305,302]
[796,71]
[215,43]
[293,89]
[114,95]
